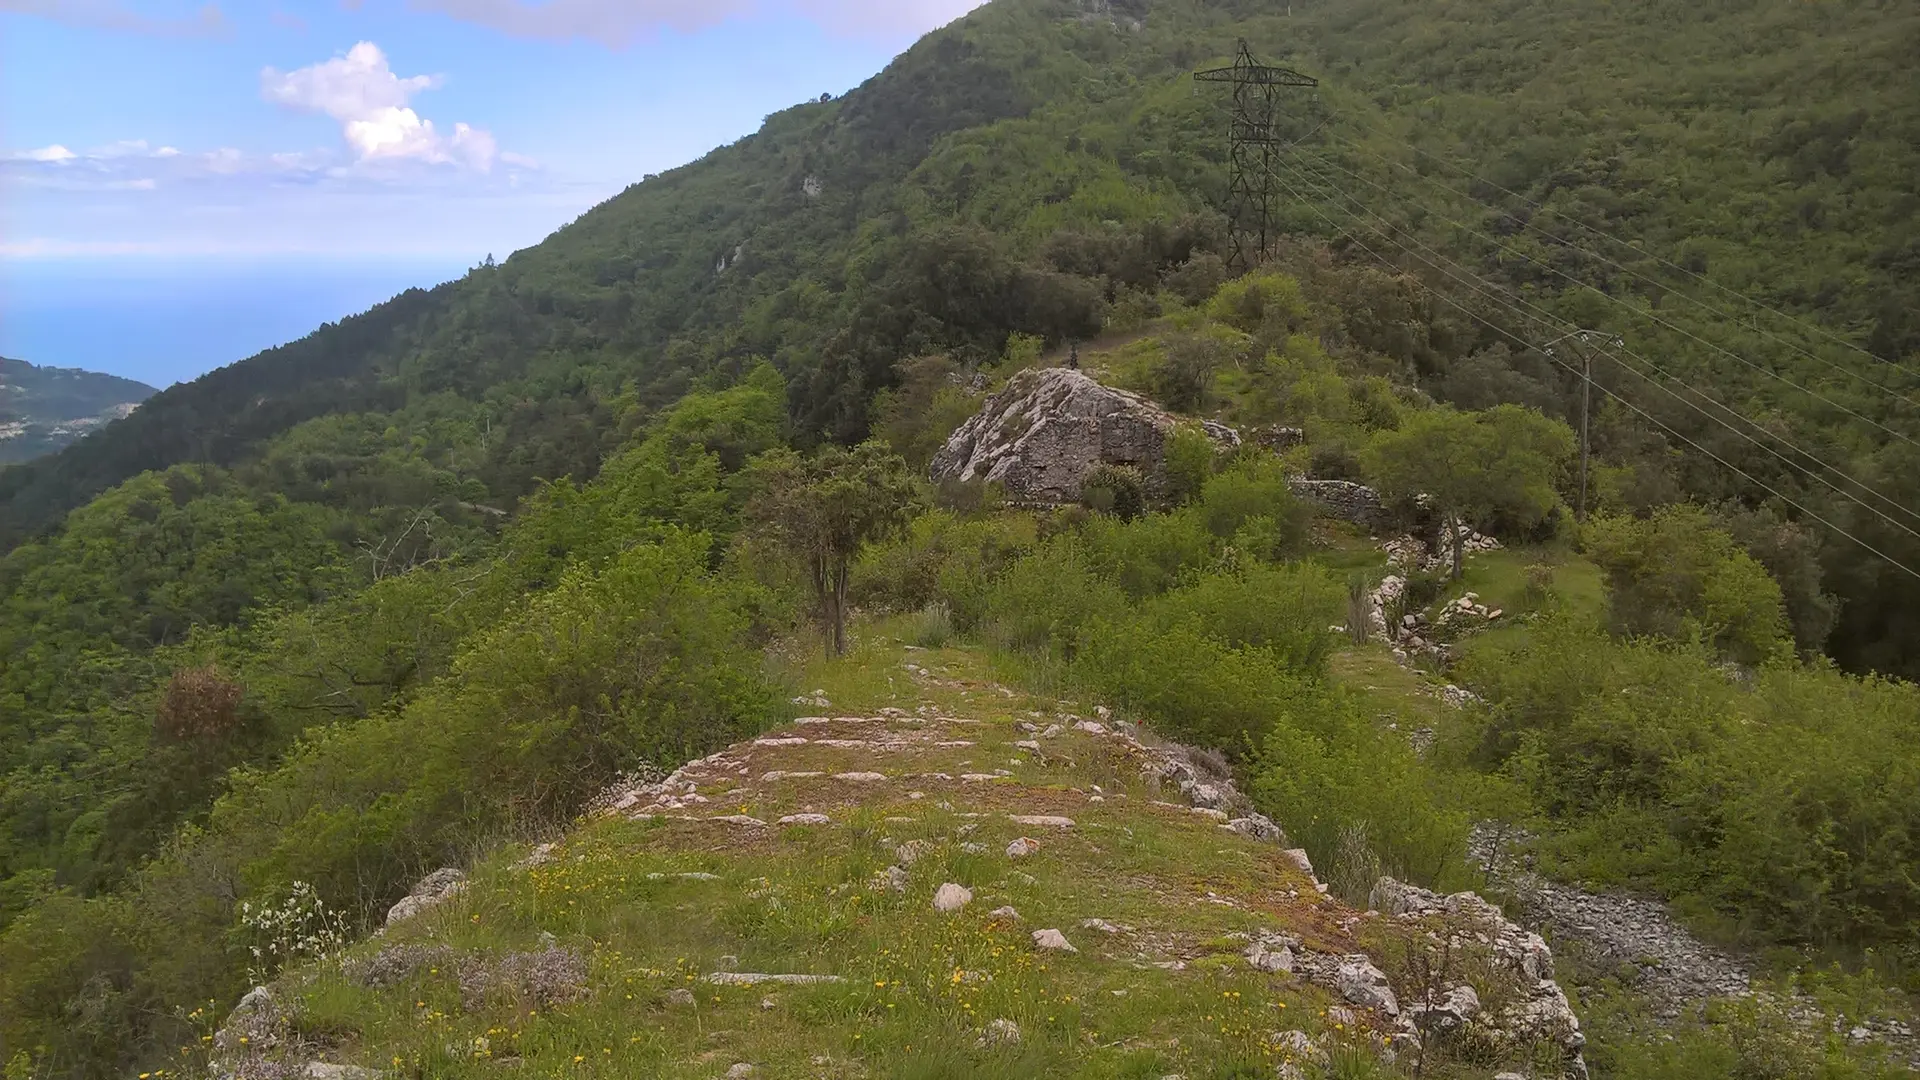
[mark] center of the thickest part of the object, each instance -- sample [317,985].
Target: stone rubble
[1543,1014]
[1000,1033]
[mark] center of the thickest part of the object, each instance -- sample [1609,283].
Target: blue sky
[185,183]
[368,129]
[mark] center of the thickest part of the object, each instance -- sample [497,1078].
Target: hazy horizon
[165,320]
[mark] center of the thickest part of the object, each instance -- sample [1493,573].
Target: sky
[183,165]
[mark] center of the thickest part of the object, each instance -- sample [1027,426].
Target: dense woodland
[429,577]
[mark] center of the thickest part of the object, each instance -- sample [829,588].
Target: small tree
[826,508]
[1473,464]
[1678,572]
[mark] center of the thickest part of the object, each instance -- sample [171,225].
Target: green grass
[1500,579]
[1169,994]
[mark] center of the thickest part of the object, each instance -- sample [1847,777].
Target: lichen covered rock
[1041,435]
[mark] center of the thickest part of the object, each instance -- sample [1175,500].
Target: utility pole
[1584,341]
[1252,146]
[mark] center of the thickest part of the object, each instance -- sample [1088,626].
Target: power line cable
[1481,287]
[1684,332]
[1730,316]
[1554,323]
[1703,279]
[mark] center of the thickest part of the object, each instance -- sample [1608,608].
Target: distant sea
[167,321]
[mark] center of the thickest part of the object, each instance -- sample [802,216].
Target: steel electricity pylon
[1253,145]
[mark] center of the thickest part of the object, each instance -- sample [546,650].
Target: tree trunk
[840,608]
[823,592]
[1453,524]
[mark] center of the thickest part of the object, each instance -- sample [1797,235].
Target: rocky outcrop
[443,884]
[1040,436]
[1539,1013]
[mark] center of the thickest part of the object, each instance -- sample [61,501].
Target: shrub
[1191,685]
[1188,463]
[1359,608]
[1268,304]
[931,627]
[1046,601]
[1118,490]
[1256,487]
[1676,574]
[1778,808]
[1423,589]
[1151,554]
[1538,590]
[1282,609]
[906,574]
[1182,379]
[1326,769]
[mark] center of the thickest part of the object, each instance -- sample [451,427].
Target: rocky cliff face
[1041,435]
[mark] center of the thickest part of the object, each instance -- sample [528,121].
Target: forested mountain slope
[1034,165]
[359,605]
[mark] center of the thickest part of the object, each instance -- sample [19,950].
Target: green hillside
[425,581]
[1044,166]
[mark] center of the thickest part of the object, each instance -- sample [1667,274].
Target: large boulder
[1040,436]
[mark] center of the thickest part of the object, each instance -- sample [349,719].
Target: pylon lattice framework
[1253,144]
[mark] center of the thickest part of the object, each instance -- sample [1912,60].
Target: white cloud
[48,154]
[133,165]
[361,91]
[616,23]
[111,15]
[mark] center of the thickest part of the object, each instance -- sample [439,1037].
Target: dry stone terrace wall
[1343,499]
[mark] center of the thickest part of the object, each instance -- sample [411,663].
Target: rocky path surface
[1639,941]
[1619,934]
[964,812]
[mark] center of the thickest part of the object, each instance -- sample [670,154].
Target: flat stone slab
[755,978]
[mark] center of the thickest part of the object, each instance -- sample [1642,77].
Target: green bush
[1190,684]
[1778,807]
[1118,490]
[1283,609]
[645,660]
[1254,490]
[1677,574]
[1188,463]
[1151,554]
[1327,770]
[931,627]
[943,557]
[1047,601]
[1182,379]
